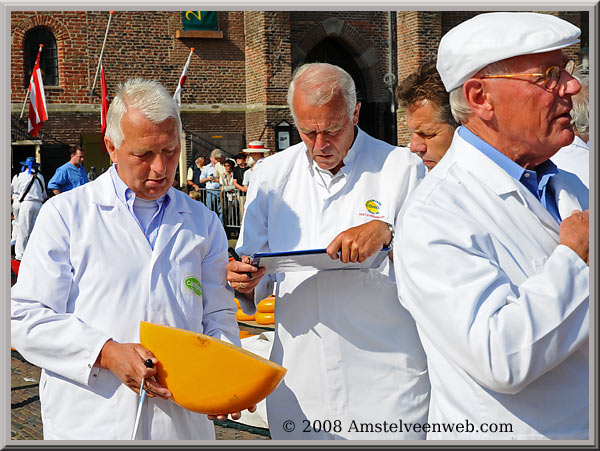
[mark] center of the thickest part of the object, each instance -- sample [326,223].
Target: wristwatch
[391,227]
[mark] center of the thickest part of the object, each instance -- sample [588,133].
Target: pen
[236,257]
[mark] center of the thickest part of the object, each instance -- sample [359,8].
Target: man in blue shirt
[70,175]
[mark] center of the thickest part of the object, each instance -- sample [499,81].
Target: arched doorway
[332,51]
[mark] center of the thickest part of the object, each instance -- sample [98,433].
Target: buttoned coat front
[89,274]
[501,308]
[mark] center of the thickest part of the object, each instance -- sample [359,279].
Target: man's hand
[243,276]
[126,361]
[358,243]
[575,233]
[234,416]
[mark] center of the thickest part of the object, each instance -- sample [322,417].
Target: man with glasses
[491,251]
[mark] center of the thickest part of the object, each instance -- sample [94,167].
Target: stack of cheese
[265,311]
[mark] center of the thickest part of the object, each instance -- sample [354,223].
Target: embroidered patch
[193,285]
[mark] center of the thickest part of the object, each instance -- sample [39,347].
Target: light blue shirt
[208,171]
[67,177]
[535,181]
[147,213]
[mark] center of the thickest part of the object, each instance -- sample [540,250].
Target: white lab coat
[27,210]
[351,350]
[89,274]
[15,207]
[575,158]
[502,311]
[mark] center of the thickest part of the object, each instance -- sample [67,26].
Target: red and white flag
[104,109]
[177,95]
[37,99]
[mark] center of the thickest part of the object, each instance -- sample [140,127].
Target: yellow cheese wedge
[267,305]
[264,318]
[237,302]
[207,375]
[241,316]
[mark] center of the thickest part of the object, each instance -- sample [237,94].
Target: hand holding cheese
[207,375]
[126,361]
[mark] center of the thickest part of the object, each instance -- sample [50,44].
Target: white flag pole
[102,51]
[29,87]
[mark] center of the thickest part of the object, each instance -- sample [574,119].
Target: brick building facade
[237,81]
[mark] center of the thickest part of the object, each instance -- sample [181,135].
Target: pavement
[26,421]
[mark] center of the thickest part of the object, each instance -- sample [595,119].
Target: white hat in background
[491,37]
[256,146]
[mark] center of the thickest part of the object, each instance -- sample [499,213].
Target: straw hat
[256,147]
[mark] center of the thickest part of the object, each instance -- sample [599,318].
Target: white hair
[148,97]
[217,153]
[580,112]
[320,83]
[461,110]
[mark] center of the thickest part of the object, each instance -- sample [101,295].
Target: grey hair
[148,97]
[217,153]
[580,112]
[321,82]
[459,106]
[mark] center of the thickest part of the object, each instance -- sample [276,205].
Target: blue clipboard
[312,260]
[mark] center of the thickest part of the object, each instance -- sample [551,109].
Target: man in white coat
[31,189]
[107,255]
[356,368]
[575,157]
[491,252]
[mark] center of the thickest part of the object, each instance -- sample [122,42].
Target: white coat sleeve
[43,327]
[254,235]
[502,334]
[218,318]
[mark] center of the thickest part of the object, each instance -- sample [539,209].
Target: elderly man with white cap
[491,252]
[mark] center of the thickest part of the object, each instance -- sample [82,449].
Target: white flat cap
[487,38]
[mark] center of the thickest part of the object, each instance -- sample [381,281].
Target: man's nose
[158,164]
[417,144]
[568,84]
[321,141]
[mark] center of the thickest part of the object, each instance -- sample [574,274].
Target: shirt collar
[126,194]
[535,180]
[513,169]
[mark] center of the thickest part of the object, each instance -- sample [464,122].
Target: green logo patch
[192,284]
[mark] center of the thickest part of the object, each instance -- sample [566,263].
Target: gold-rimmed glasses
[551,77]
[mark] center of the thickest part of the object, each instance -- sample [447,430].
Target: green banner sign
[199,20]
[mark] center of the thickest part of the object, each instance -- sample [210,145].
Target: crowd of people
[476,324]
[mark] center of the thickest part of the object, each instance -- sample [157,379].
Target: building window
[48,58]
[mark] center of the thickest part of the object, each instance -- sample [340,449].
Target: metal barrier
[228,205]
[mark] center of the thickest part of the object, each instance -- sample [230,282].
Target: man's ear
[478,98]
[110,149]
[356,113]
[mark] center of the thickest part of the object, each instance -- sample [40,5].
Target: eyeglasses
[551,77]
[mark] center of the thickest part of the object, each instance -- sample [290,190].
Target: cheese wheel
[265,318]
[241,316]
[267,305]
[203,373]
